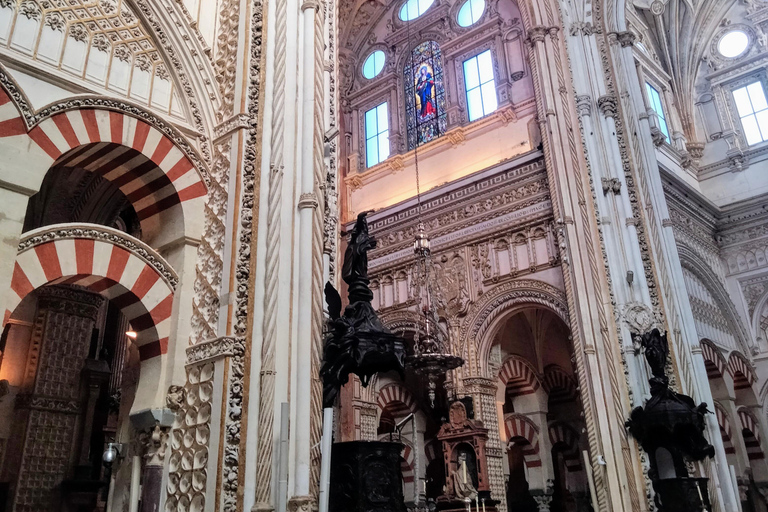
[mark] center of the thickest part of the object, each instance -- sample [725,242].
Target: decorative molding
[44,403]
[607,105]
[96,232]
[237,122]
[611,185]
[32,118]
[225,346]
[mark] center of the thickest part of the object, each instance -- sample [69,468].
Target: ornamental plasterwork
[123,57]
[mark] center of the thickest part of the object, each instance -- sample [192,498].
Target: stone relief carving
[153,442]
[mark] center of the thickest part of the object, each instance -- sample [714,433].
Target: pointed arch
[106,261]
[520,428]
[518,377]
[485,315]
[703,273]
[741,370]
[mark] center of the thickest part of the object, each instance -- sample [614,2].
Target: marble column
[154,444]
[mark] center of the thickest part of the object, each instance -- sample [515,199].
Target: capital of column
[480,385]
[310,4]
[154,443]
[308,200]
[607,105]
[584,104]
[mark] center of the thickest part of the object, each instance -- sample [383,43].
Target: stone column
[483,393]
[154,445]
[13,208]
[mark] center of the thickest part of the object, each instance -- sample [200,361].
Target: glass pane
[368,67]
[762,122]
[371,151]
[733,44]
[757,95]
[471,79]
[383,145]
[474,104]
[743,104]
[465,15]
[478,6]
[485,64]
[751,131]
[663,128]
[489,97]
[370,123]
[382,115]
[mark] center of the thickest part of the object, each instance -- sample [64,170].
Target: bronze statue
[357,342]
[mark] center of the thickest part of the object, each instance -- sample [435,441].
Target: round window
[412,9]
[733,44]
[373,64]
[470,12]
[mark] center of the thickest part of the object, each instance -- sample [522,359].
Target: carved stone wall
[52,405]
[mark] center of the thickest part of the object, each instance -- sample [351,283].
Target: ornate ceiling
[94,43]
[680,32]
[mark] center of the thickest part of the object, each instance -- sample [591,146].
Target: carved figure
[669,420]
[357,342]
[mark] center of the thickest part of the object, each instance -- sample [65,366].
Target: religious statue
[656,352]
[670,420]
[462,482]
[357,342]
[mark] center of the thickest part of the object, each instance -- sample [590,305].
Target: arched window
[424,94]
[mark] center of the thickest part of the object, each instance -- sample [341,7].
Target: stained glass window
[424,94]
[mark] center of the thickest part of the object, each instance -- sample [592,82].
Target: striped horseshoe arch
[751,432]
[559,385]
[741,371]
[521,429]
[725,429]
[713,360]
[104,260]
[518,377]
[565,437]
[147,166]
[398,400]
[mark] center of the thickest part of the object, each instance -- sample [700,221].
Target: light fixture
[131,334]
[111,454]
[431,357]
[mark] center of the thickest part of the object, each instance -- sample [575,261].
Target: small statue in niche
[357,342]
[463,477]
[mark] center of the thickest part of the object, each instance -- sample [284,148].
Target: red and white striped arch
[713,360]
[725,429]
[518,377]
[143,294]
[398,400]
[150,169]
[750,430]
[565,437]
[741,371]
[521,429]
[559,385]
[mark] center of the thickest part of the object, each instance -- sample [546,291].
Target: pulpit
[466,466]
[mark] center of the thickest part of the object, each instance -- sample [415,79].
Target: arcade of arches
[178,178]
